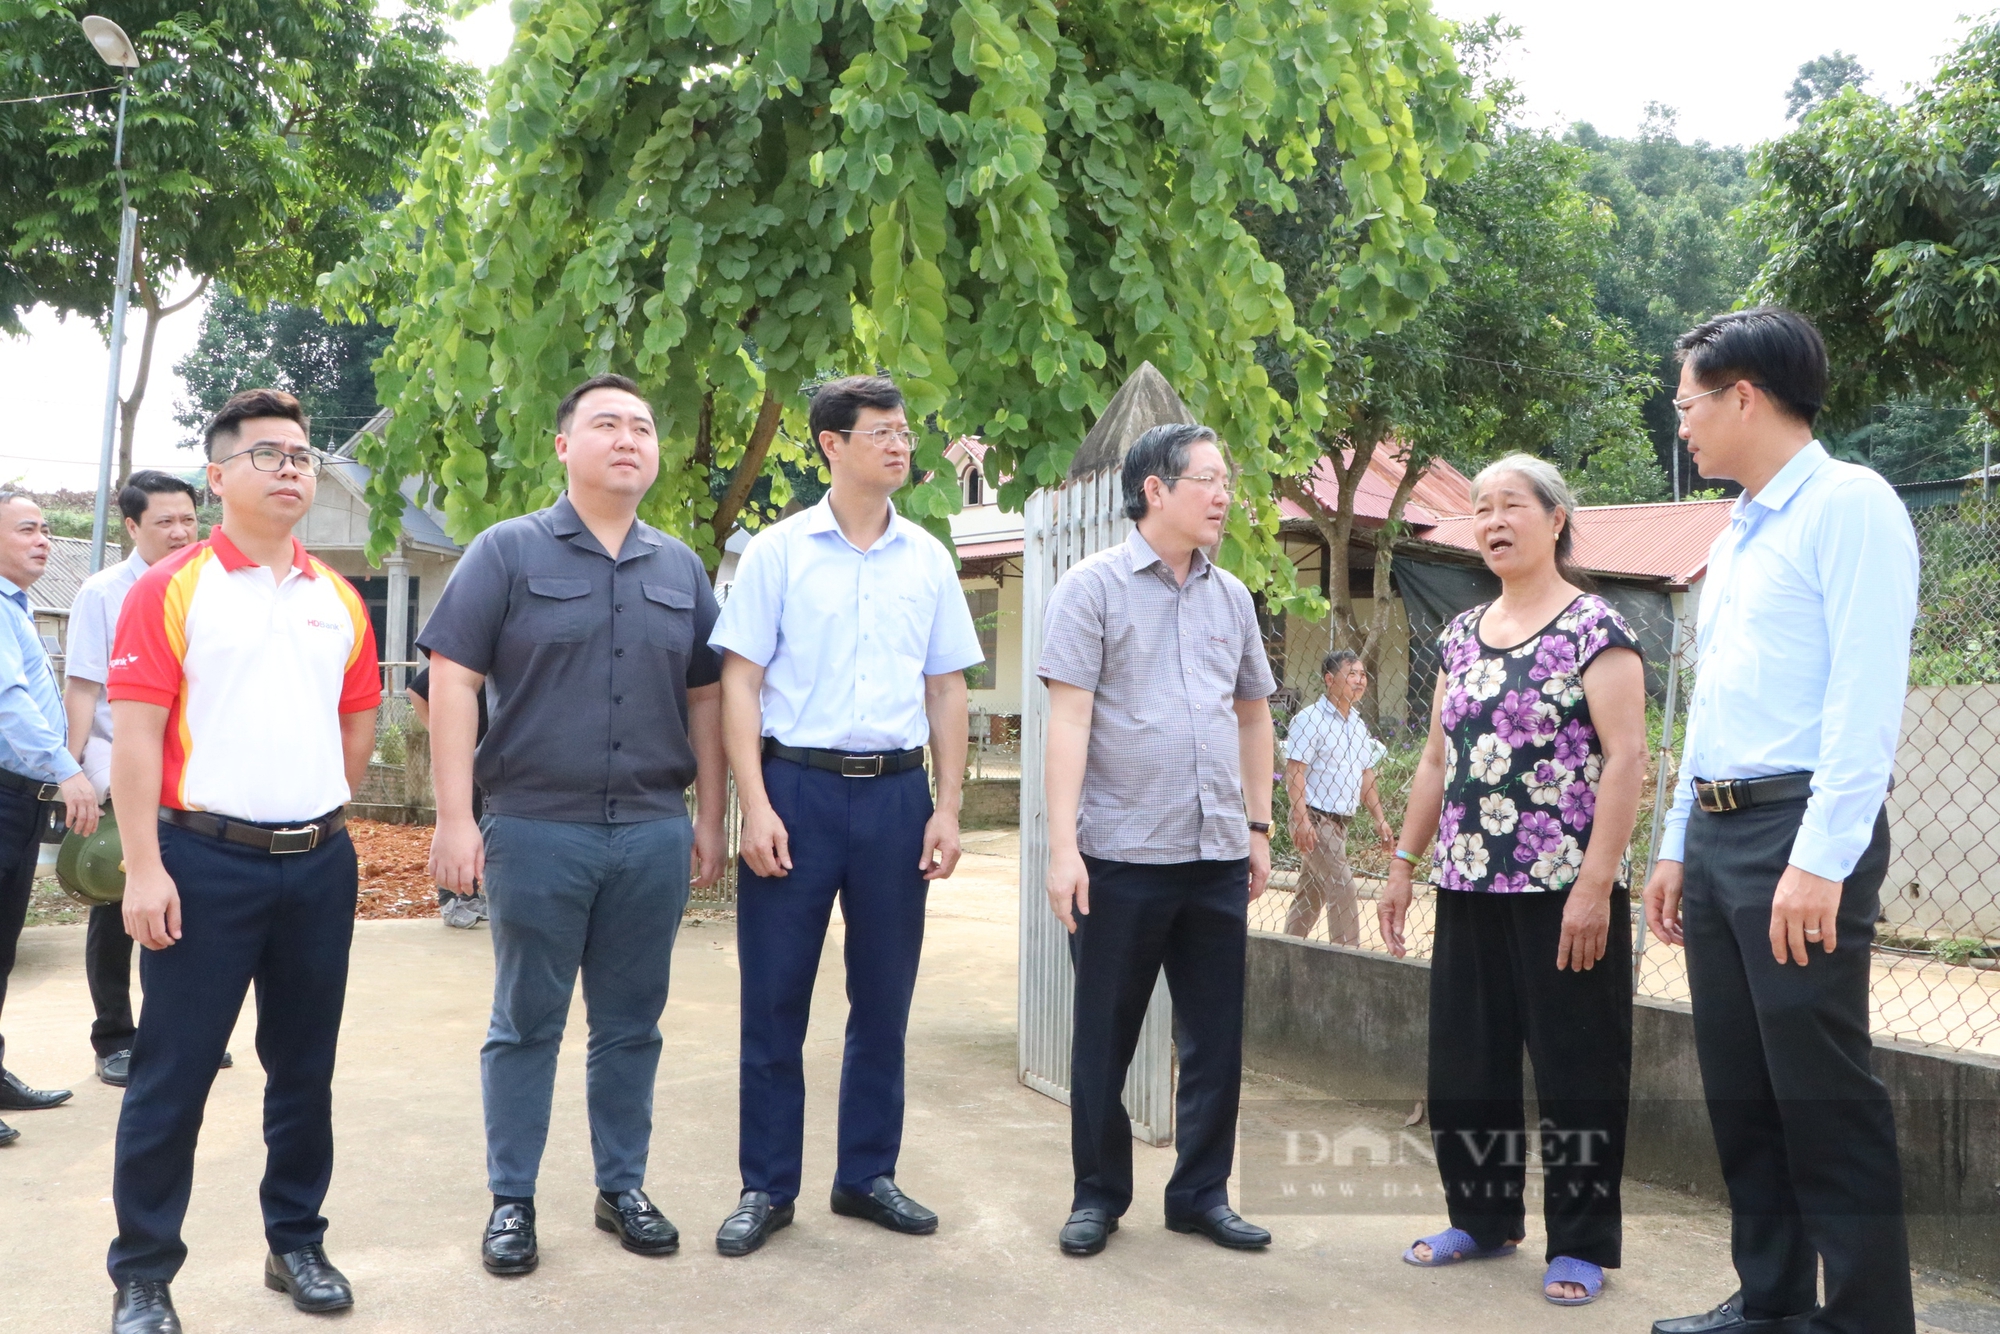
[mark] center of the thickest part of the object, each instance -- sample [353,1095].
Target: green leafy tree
[1510,353]
[1008,204]
[1820,78]
[327,366]
[1883,225]
[258,142]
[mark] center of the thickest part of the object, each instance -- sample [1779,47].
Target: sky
[1724,65]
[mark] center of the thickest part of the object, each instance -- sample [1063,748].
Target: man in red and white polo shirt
[243,693]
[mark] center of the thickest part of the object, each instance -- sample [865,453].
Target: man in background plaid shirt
[1330,760]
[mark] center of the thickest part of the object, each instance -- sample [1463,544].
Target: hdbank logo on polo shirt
[126,661]
[318,624]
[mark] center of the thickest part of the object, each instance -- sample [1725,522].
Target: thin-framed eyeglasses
[1226,485]
[884,436]
[270,458]
[1681,405]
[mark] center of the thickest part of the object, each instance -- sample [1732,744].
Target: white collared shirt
[93,629]
[1803,652]
[845,636]
[1337,750]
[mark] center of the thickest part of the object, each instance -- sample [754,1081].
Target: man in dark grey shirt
[605,705]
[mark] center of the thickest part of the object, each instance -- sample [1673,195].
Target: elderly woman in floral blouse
[1525,800]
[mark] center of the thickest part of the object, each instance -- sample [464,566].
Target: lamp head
[111,42]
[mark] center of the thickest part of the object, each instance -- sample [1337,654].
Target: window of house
[974,486]
[984,603]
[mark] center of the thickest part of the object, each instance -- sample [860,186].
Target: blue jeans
[606,898]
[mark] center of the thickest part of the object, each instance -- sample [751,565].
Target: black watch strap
[1260,827]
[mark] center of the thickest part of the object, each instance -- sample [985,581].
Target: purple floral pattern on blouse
[1532,760]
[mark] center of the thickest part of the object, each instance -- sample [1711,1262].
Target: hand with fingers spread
[1804,913]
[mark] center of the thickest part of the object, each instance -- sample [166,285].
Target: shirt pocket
[556,609]
[669,617]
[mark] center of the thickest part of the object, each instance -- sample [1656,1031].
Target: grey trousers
[606,899]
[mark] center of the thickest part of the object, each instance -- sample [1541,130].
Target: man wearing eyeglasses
[846,640]
[1159,800]
[243,684]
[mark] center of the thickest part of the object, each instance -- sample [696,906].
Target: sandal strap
[1569,1269]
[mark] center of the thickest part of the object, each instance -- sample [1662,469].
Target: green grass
[50,905]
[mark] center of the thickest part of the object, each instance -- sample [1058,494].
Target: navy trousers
[858,838]
[283,924]
[20,835]
[1189,918]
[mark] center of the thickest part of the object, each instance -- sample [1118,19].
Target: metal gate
[1062,527]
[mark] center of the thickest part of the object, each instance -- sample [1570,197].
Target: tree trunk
[128,407]
[1385,554]
[748,469]
[1336,526]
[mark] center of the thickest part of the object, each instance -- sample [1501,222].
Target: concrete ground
[408,1199]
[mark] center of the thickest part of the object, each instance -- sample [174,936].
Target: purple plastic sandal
[1451,1247]
[1565,1269]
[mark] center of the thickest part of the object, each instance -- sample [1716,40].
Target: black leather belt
[272,838]
[844,764]
[1735,794]
[34,787]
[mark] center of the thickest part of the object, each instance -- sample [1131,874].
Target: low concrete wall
[1355,1024]
[991,803]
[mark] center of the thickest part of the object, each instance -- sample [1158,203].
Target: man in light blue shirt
[1772,860]
[846,641]
[36,767]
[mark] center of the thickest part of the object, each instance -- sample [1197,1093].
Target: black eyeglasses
[269,458]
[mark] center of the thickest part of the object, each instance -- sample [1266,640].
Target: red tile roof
[1441,492]
[1666,541]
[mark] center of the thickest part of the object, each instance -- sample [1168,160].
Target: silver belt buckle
[49,792]
[861,766]
[310,833]
[1718,798]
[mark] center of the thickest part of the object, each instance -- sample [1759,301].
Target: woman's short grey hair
[1553,493]
[1161,452]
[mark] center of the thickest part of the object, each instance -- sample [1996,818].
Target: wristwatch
[1260,827]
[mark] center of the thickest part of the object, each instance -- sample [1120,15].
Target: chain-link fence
[1937,951]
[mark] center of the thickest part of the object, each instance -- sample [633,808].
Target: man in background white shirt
[1330,759]
[159,511]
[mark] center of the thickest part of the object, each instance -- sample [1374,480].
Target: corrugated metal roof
[68,567]
[1441,492]
[1667,541]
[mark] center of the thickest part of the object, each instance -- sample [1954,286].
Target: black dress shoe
[1224,1227]
[1086,1232]
[752,1224]
[227,1061]
[8,1134]
[510,1241]
[115,1069]
[641,1228]
[18,1097]
[887,1205]
[1728,1318]
[144,1306]
[314,1284]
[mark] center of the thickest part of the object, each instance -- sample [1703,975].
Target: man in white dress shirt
[160,518]
[1772,860]
[846,641]
[1330,759]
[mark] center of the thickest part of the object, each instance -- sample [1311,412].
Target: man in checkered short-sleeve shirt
[1159,800]
[1330,759]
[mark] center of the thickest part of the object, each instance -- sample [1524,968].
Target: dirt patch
[395,870]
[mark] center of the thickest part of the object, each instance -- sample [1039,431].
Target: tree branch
[748,469]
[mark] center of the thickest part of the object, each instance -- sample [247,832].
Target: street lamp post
[116,50]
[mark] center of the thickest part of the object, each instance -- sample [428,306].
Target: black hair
[249,404]
[1337,661]
[142,486]
[1777,350]
[1163,453]
[566,409]
[838,403]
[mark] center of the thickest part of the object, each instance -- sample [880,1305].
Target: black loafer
[18,1097]
[1086,1232]
[755,1219]
[1728,1318]
[1223,1226]
[887,1205]
[641,1228]
[227,1061]
[509,1248]
[144,1306]
[310,1279]
[8,1134]
[115,1069]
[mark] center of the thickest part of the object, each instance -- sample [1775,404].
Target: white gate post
[1086,515]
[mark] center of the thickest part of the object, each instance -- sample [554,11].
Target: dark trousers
[860,839]
[107,967]
[1190,919]
[1495,990]
[1803,1126]
[20,834]
[284,924]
